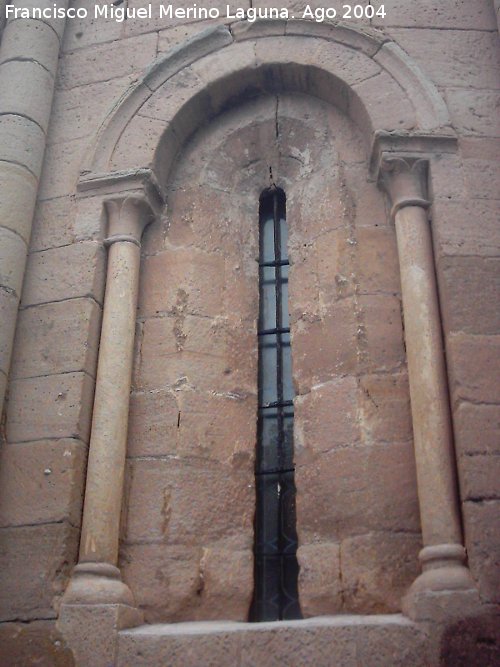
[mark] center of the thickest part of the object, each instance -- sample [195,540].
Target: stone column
[29,54]
[96,578]
[443,556]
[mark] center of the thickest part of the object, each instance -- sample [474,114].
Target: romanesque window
[276,568]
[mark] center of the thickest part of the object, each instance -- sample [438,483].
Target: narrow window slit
[276,567]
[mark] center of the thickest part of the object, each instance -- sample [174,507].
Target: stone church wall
[196,323]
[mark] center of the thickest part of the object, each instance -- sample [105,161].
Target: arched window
[276,567]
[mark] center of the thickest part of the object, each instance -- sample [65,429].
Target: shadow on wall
[473,642]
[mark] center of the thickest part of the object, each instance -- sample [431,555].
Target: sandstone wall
[51,384]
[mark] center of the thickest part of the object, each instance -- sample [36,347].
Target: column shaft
[428,383]
[106,464]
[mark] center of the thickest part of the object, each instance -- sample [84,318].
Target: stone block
[176,35]
[473,113]
[52,224]
[320,586]
[470,362]
[333,254]
[318,427]
[182,281]
[197,352]
[140,140]
[171,499]
[36,79]
[42,482]
[482,176]
[466,228]
[469,287]
[77,270]
[325,348]
[25,39]
[54,406]
[61,171]
[384,408]
[478,15]
[78,112]
[34,569]
[16,212]
[57,337]
[22,142]
[349,491]
[57,24]
[482,539]
[379,333]
[8,316]
[36,643]
[377,95]
[193,423]
[88,31]
[467,59]
[473,641]
[103,62]
[377,570]
[479,477]
[477,429]
[12,261]
[447,178]
[376,261]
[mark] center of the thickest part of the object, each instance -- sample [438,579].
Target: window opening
[275,551]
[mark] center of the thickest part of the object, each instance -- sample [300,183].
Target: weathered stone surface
[470,360]
[468,59]
[161,503]
[62,165]
[39,351]
[478,15]
[317,430]
[77,270]
[41,482]
[16,213]
[473,114]
[52,224]
[54,406]
[12,261]
[383,113]
[376,260]
[37,643]
[384,408]
[468,283]
[36,79]
[8,310]
[106,61]
[482,540]
[206,425]
[377,570]
[345,491]
[22,142]
[466,228]
[478,477]
[320,584]
[477,429]
[30,40]
[176,282]
[46,552]
[473,641]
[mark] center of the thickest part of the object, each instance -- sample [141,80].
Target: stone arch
[342,65]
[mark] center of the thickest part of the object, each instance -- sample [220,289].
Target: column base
[97,583]
[445,588]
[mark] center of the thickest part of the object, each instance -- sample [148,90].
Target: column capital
[404,178]
[132,199]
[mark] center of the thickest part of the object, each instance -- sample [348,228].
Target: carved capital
[404,178]
[128,216]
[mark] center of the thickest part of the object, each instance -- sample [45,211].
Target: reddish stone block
[377,570]
[320,585]
[42,482]
[479,477]
[482,539]
[35,563]
[318,427]
[376,260]
[384,408]
[470,362]
[477,429]
[466,228]
[469,287]
[347,491]
[36,643]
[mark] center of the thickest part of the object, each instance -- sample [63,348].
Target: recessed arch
[220,66]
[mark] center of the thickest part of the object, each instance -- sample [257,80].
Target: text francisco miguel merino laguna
[168,12]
